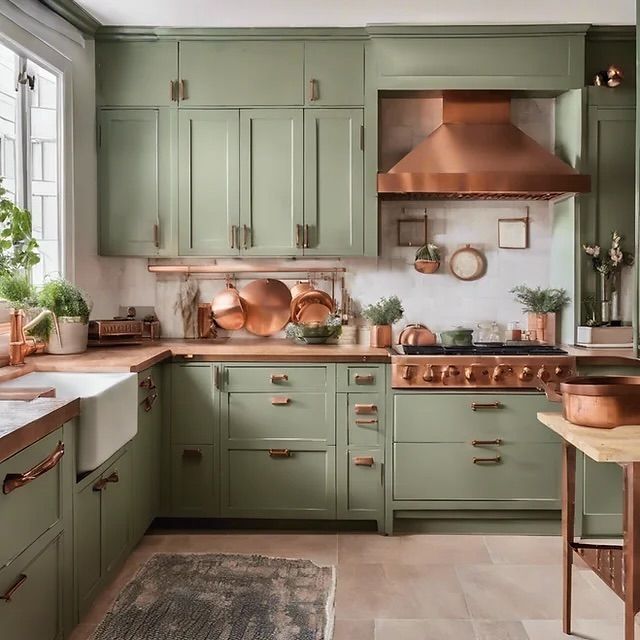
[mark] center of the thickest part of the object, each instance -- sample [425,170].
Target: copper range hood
[477,154]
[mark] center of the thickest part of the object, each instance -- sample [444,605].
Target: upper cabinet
[245,73]
[334,73]
[134,74]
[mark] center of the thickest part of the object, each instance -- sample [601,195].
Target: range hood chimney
[477,154]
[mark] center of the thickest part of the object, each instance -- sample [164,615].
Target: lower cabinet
[193,489]
[103,526]
[34,586]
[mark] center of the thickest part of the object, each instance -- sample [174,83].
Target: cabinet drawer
[192,481]
[361,377]
[462,417]
[363,414]
[34,507]
[279,416]
[35,609]
[361,483]
[300,484]
[444,471]
[276,378]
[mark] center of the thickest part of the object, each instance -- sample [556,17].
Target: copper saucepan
[228,309]
[417,335]
[267,304]
[603,402]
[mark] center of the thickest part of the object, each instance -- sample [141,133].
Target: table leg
[631,546]
[568,516]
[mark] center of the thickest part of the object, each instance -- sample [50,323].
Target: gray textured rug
[223,597]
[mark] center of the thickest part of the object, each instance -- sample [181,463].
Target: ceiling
[349,13]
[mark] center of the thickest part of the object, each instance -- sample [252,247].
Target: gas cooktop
[483,349]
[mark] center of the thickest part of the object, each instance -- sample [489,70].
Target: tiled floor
[419,587]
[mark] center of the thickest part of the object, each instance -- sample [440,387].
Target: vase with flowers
[609,265]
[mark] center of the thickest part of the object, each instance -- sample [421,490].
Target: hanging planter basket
[426,266]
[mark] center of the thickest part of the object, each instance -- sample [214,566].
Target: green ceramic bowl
[458,337]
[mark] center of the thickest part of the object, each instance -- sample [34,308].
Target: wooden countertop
[620,445]
[587,356]
[23,423]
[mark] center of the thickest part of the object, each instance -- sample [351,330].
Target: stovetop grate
[484,350]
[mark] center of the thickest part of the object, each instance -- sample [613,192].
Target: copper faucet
[21,345]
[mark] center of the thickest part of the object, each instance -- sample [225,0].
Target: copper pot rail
[226,270]
[14,481]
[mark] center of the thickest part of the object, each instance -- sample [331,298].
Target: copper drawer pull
[305,237]
[280,453]
[298,236]
[103,482]
[22,578]
[365,408]
[148,402]
[246,236]
[495,460]
[367,421]
[363,461]
[279,377]
[313,90]
[156,235]
[191,453]
[14,481]
[361,379]
[279,400]
[148,383]
[479,443]
[232,236]
[172,90]
[182,90]
[488,405]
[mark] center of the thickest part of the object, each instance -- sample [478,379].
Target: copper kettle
[417,335]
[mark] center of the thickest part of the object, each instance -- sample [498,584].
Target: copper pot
[603,402]
[314,296]
[300,287]
[417,335]
[267,304]
[380,335]
[228,310]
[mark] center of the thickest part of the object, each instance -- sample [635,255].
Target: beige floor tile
[414,548]
[521,592]
[82,632]
[582,630]
[353,630]
[398,591]
[525,549]
[424,630]
[499,630]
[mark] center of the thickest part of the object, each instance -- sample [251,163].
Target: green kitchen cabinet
[271,182]
[334,73]
[209,182]
[193,483]
[136,185]
[360,475]
[136,74]
[193,405]
[242,73]
[333,182]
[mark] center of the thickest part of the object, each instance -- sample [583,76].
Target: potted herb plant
[67,329]
[542,305]
[427,259]
[381,315]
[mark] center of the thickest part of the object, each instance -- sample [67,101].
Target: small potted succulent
[427,259]
[381,315]
[542,305]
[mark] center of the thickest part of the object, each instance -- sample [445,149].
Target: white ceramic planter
[74,333]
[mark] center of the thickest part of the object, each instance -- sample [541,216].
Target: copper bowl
[267,303]
[602,402]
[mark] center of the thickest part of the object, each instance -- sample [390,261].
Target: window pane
[9,108]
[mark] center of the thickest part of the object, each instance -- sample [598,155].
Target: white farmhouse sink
[108,409]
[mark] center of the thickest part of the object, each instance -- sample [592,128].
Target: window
[29,152]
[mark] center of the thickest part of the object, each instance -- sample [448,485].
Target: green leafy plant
[18,248]
[385,311]
[540,300]
[16,289]
[430,252]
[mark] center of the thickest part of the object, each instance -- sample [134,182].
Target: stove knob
[543,374]
[427,376]
[526,374]
[499,372]
[407,372]
[561,372]
[454,372]
[468,374]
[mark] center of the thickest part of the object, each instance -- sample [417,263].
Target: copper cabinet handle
[313,90]
[363,461]
[156,235]
[14,481]
[148,402]
[280,400]
[246,236]
[279,377]
[475,406]
[216,377]
[10,592]
[103,482]
[480,443]
[305,237]
[182,90]
[192,453]
[232,236]
[367,421]
[495,460]
[298,236]
[147,383]
[365,408]
[362,379]
[172,90]
[280,453]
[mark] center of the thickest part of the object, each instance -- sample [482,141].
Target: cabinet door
[361,484]
[334,73]
[136,74]
[333,166]
[271,150]
[192,481]
[193,414]
[116,512]
[87,538]
[209,188]
[136,170]
[242,73]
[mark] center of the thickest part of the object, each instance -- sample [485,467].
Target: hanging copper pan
[267,304]
[313,313]
[301,287]
[228,310]
[315,296]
